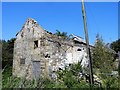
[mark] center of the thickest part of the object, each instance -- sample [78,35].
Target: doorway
[36,69]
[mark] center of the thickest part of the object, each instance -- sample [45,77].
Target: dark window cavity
[36,44]
[77,42]
[78,49]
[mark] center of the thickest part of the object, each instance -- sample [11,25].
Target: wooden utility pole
[119,67]
[87,42]
[119,64]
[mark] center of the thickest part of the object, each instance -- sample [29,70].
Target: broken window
[22,60]
[78,49]
[36,44]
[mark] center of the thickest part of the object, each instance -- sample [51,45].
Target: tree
[70,77]
[62,34]
[102,56]
[7,52]
[115,45]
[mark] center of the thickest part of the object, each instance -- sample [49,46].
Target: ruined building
[39,53]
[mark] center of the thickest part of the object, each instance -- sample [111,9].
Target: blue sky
[102,18]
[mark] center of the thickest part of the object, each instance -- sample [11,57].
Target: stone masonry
[38,53]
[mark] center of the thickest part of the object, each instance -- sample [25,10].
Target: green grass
[66,79]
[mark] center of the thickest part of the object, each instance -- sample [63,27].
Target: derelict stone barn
[38,52]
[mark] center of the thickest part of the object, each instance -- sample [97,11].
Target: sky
[102,18]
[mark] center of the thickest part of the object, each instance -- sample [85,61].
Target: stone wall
[39,53]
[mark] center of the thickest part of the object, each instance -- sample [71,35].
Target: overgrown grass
[68,78]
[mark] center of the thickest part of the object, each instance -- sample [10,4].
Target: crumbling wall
[38,53]
[24,51]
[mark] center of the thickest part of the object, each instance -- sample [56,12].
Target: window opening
[36,44]
[78,49]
